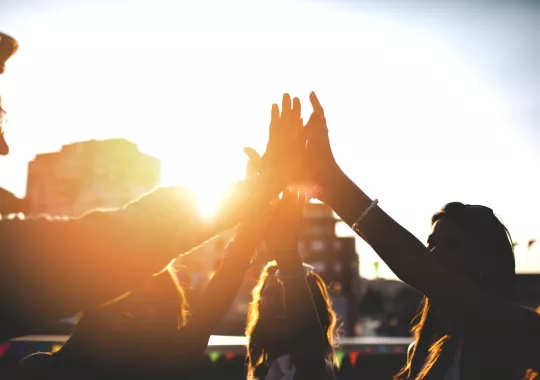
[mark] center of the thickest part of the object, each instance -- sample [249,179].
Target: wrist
[331,185]
[299,275]
[289,263]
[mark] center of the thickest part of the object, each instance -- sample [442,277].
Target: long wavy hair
[490,266]
[257,353]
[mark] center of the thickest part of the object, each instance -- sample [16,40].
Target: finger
[254,163]
[286,103]
[296,108]
[315,103]
[274,114]
[300,127]
[274,119]
[253,155]
[286,108]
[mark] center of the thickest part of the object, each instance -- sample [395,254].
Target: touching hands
[283,232]
[249,235]
[285,151]
[289,157]
[320,166]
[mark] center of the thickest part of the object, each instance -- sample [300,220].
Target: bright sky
[425,105]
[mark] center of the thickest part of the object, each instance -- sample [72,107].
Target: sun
[207,179]
[209,197]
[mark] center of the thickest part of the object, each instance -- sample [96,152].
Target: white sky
[425,105]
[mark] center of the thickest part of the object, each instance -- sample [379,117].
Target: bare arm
[51,268]
[307,342]
[211,306]
[410,260]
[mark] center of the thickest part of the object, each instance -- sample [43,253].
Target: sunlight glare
[208,198]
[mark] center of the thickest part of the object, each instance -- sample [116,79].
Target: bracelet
[356,224]
[305,272]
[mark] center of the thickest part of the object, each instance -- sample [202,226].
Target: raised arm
[307,339]
[208,310]
[51,268]
[409,258]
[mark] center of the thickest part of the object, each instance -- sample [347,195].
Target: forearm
[218,296]
[210,308]
[411,261]
[307,342]
[400,250]
[244,200]
[57,267]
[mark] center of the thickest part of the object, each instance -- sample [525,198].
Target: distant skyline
[427,102]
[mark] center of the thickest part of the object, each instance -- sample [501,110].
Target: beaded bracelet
[356,224]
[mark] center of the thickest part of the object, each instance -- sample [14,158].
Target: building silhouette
[88,175]
[335,259]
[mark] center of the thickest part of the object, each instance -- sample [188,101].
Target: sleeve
[56,267]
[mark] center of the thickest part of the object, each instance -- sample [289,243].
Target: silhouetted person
[52,268]
[290,323]
[472,241]
[476,296]
[275,340]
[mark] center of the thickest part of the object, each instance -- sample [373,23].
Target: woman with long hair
[471,328]
[291,324]
[270,336]
[474,242]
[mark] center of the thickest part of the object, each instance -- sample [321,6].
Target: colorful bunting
[3,348]
[340,355]
[353,356]
[214,356]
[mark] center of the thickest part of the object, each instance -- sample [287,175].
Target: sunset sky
[427,102]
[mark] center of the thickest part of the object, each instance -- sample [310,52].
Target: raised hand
[283,232]
[250,234]
[285,150]
[320,165]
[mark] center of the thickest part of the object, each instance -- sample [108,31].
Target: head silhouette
[473,241]
[266,329]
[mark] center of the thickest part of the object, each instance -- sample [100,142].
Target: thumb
[255,162]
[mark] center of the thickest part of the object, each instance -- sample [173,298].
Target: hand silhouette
[320,165]
[285,150]
[283,232]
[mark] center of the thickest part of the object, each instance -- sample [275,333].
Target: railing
[361,357]
[224,345]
